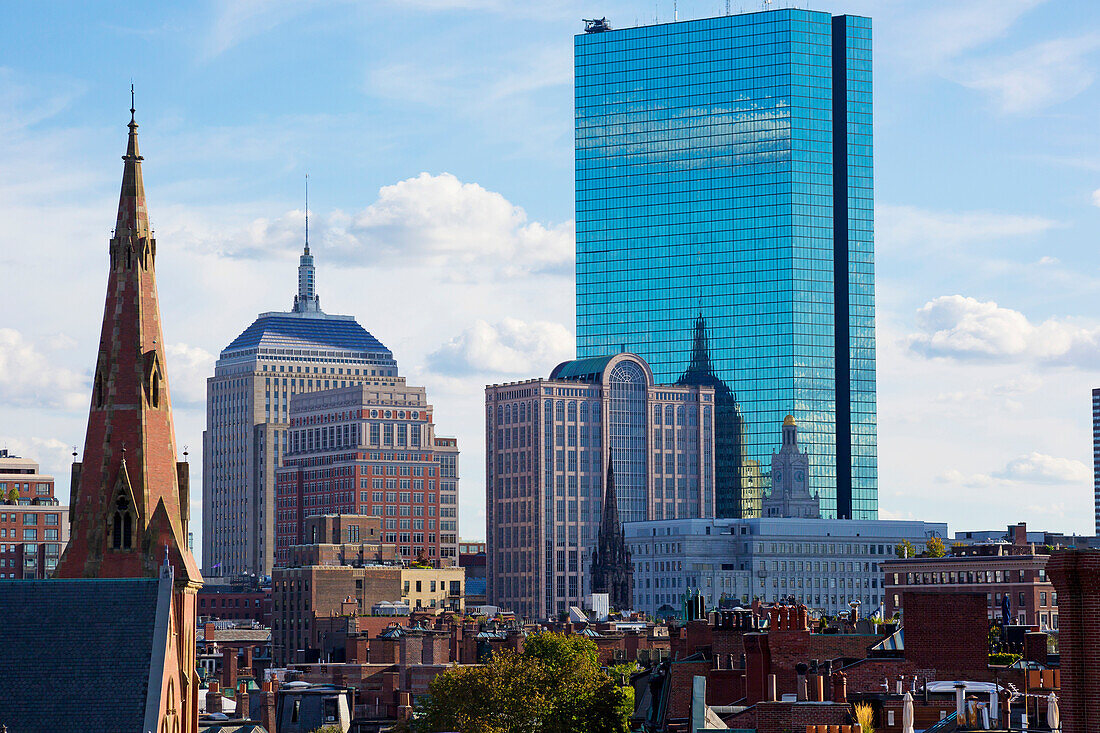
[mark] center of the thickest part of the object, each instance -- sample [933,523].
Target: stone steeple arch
[129,466]
[612,569]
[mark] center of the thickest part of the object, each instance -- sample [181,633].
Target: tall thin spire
[306,301]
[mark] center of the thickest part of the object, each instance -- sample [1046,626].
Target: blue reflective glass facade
[723,169]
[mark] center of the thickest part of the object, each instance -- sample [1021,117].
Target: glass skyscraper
[724,183]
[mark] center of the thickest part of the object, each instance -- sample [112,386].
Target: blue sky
[438,139]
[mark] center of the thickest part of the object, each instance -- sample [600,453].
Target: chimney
[208,634]
[242,702]
[1018,533]
[248,659]
[771,688]
[213,698]
[267,704]
[349,607]
[229,668]
[840,688]
[801,693]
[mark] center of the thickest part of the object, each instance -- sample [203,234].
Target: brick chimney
[242,701]
[840,688]
[267,704]
[229,668]
[349,607]
[213,697]
[208,634]
[1018,533]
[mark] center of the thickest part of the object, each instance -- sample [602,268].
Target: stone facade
[548,442]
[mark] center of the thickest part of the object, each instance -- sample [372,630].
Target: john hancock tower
[723,178]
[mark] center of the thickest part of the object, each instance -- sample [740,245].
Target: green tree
[934,547]
[905,549]
[556,685]
[13,496]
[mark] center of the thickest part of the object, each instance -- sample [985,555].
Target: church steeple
[612,569]
[307,301]
[129,495]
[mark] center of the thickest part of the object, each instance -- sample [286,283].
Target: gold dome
[788,421]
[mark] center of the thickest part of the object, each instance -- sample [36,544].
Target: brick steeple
[612,570]
[130,495]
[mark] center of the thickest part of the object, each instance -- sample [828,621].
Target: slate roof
[283,330]
[63,642]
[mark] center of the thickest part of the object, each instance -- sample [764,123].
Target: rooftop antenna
[675,12]
[307,213]
[727,7]
[132,110]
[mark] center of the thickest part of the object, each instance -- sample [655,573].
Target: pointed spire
[132,219]
[306,301]
[133,499]
[610,516]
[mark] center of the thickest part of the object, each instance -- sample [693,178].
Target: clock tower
[790,495]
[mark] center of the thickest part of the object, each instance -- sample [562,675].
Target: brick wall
[1076,575]
[947,632]
[784,717]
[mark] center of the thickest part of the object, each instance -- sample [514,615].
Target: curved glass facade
[626,413]
[723,170]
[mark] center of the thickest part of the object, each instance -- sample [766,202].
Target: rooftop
[310,331]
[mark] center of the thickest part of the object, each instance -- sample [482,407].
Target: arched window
[99,392]
[572,411]
[584,412]
[680,415]
[122,529]
[668,415]
[559,410]
[657,414]
[154,390]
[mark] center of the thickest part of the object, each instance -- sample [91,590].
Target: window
[30,535]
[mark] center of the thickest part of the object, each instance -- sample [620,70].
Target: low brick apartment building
[345,573]
[34,526]
[1017,569]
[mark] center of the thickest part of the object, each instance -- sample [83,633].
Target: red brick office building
[1017,569]
[370,450]
[34,526]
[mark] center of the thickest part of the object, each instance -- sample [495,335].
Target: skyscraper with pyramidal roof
[247,404]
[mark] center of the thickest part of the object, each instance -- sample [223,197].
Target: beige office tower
[548,445]
[247,412]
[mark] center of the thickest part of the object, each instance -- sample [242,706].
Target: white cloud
[188,368]
[511,347]
[441,221]
[1036,77]
[1033,468]
[928,34]
[909,227]
[959,327]
[437,221]
[1038,468]
[1096,197]
[30,378]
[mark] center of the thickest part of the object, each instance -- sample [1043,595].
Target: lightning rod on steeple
[307,213]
